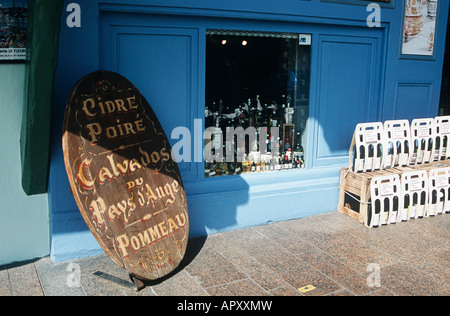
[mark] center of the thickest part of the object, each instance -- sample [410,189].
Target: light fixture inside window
[244,43]
[224,42]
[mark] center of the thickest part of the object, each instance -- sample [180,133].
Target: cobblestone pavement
[328,254]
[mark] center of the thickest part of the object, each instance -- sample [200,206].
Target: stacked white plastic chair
[423,138]
[397,143]
[367,144]
[414,191]
[385,200]
[438,192]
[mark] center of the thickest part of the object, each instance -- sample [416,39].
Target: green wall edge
[43,37]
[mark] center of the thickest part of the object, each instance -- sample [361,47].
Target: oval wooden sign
[124,180]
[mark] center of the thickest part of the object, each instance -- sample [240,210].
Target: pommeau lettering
[150,236]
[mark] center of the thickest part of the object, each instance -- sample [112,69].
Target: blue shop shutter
[348,81]
[163,64]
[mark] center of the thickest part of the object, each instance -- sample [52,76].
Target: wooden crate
[354,192]
[354,188]
[432,165]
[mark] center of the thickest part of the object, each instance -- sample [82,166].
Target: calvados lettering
[150,236]
[113,169]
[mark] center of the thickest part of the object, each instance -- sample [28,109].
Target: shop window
[256,82]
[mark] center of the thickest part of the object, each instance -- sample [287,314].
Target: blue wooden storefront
[358,74]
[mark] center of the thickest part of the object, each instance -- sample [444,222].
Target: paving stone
[237,288]
[180,284]
[406,280]
[325,255]
[60,279]
[210,268]
[5,286]
[24,280]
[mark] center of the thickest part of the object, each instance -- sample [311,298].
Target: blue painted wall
[24,220]
[357,75]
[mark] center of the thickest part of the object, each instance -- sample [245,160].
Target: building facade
[312,68]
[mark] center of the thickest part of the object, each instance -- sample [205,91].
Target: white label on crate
[393,217]
[446,206]
[359,164]
[376,163]
[440,207]
[412,211]
[445,128]
[421,210]
[368,164]
[416,184]
[423,131]
[386,188]
[375,220]
[421,157]
[397,133]
[403,160]
[413,158]
[370,136]
[431,210]
[404,214]
[436,154]
[385,218]
[426,156]
[396,160]
[442,180]
[388,161]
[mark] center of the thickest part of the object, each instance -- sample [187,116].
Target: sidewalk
[329,254]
